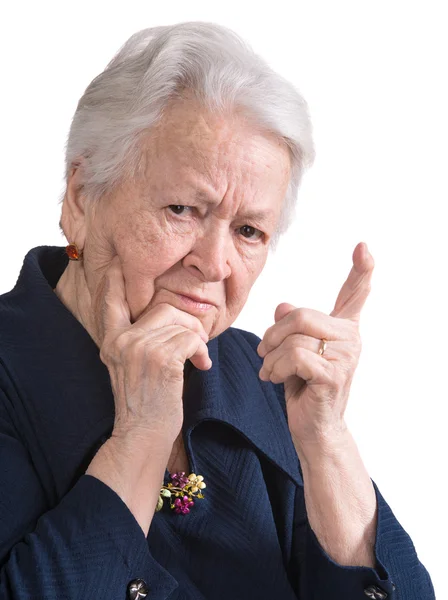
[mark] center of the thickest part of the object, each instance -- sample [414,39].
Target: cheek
[146,239]
[144,265]
[147,255]
[239,286]
[243,278]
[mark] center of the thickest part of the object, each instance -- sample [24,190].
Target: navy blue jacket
[67,535]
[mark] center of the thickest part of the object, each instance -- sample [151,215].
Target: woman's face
[213,250]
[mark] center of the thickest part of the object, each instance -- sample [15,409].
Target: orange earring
[73,252]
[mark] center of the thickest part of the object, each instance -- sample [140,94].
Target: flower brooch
[183,489]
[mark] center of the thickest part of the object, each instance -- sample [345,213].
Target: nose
[211,255]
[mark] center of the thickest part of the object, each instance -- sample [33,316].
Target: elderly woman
[148,448]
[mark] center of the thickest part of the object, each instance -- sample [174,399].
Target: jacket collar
[43,329]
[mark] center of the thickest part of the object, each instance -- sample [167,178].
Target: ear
[73,216]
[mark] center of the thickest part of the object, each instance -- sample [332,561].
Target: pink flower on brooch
[179,479]
[182,505]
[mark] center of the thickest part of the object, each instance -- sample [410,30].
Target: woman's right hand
[146,359]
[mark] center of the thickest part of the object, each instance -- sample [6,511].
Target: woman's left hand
[317,387]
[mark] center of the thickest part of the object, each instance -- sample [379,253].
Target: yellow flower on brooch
[197,482]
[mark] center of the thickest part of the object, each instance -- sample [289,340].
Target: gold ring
[322,346]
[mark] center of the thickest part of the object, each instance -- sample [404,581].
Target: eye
[252,229]
[178,206]
[247,228]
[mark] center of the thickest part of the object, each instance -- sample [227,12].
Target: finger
[113,308]
[305,321]
[164,314]
[196,350]
[301,362]
[335,351]
[356,288]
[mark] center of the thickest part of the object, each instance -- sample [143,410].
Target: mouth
[194,304]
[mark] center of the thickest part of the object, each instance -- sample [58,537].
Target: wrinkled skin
[205,250]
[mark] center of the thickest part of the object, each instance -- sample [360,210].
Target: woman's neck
[74,294]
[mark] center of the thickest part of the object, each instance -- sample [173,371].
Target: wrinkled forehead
[193,149]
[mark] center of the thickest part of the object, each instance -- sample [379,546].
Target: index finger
[356,287]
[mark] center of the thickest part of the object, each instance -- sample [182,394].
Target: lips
[197,298]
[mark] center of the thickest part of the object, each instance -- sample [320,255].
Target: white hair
[155,65]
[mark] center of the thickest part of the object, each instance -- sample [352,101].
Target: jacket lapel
[232,392]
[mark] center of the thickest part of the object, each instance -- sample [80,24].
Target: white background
[374,75]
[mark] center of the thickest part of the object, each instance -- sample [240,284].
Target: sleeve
[398,572]
[88,546]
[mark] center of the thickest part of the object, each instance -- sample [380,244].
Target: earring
[73,252]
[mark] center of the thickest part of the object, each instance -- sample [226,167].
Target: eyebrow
[256,215]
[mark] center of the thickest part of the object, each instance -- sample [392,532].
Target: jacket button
[374,592]
[137,589]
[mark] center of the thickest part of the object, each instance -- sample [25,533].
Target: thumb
[113,309]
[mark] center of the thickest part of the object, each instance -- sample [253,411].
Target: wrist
[323,444]
[126,463]
[134,469]
[142,439]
